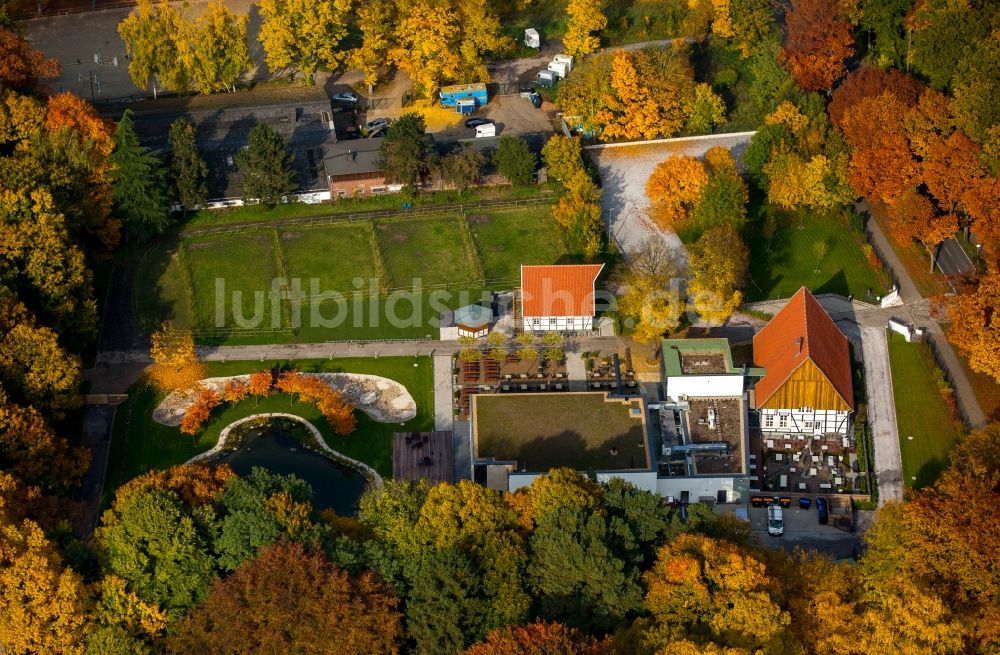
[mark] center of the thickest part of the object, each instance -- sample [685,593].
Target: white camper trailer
[560,68]
[484,131]
[565,59]
[532,39]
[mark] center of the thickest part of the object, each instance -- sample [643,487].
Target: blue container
[805,503]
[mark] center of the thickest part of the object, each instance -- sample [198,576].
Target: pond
[277,445]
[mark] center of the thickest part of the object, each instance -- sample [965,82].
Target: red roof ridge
[559,289]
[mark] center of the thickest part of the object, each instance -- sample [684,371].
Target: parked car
[527,91]
[775,521]
[536,100]
[348,97]
[476,122]
[824,512]
[377,124]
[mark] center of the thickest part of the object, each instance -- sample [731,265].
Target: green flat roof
[674,349]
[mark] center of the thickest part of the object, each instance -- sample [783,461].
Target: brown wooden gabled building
[806,388]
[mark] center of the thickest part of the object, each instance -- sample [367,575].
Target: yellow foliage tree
[175,363]
[720,160]
[787,114]
[375,20]
[673,190]
[704,109]
[303,34]
[630,112]
[652,303]
[44,603]
[722,21]
[585,18]
[717,264]
[424,45]
[797,183]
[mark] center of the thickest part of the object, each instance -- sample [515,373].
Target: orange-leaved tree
[330,402]
[175,363]
[909,215]
[881,164]
[235,390]
[975,325]
[673,190]
[260,384]
[20,64]
[33,453]
[867,82]
[200,410]
[541,638]
[287,586]
[817,43]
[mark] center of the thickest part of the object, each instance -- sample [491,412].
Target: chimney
[350,154]
[798,342]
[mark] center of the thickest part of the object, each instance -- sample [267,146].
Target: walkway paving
[444,414]
[576,372]
[96,438]
[919,312]
[882,415]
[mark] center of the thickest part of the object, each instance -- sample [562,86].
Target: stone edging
[373,477]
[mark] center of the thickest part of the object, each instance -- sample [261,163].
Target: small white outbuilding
[531,38]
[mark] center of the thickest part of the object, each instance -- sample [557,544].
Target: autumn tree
[253,610]
[187,165]
[33,453]
[45,603]
[722,201]
[717,263]
[941,33]
[584,18]
[175,362]
[216,50]
[541,639]
[259,384]
[423,44]
[674,189]
[302,35]
[404,154]
[909,216]
[563,156]
[974,327]
[652,302]
[796,183]
[515,161]
[870,82]
[720,160]
[200,410]
[34,367]
[21,64]
[123,622]
[885,23]
[140,192]
[375,21]
[817,42]
[631,113]
[705,587]
[151,40]
[268,167]
[704,109]
[753,26]
[881,166]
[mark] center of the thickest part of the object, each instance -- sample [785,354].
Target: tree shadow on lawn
[569,448]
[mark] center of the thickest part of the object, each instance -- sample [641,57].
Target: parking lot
[803,530]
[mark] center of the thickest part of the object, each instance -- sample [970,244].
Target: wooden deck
[423,456]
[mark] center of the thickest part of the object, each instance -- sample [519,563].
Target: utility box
[484,131]
[465,105]
[450,95]
[532,39]
[565,59]
[547,78]
[560,68]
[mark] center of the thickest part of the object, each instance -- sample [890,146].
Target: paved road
[918,310]
[882,415]
[624,171]
[952,259]
[96,438]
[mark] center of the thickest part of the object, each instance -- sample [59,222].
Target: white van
[775,521]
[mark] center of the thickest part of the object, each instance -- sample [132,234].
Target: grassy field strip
[921,412]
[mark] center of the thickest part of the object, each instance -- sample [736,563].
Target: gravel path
[624,171]
[444,415]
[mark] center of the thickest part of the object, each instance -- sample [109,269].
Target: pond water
[275,448]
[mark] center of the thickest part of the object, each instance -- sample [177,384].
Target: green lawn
[578,430]
[921,412]
[337,256]
[425,251]
[505,240]
[246,264]
[791,261]
[154,446]
[447,253]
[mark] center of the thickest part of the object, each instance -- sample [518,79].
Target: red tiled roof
[566,290]
[776,348]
